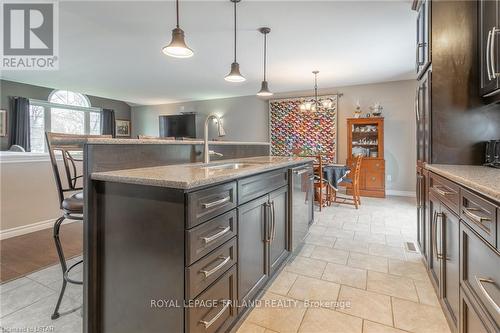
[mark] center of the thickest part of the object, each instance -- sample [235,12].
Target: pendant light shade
[235,75]
[264,88]
[177,47]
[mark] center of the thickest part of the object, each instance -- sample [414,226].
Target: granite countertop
[189,176]
[482,179]
[167,142]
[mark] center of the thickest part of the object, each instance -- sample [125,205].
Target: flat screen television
[178,126]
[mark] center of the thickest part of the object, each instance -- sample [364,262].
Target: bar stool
[69,147]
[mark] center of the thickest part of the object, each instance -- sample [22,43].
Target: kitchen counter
[482,179]
[168,142]
[189,176]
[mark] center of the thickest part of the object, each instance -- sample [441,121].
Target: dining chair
[323,190]
[65,148]
[352,184]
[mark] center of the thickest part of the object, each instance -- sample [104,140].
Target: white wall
[247,118]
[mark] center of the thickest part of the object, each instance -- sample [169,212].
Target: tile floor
[352,275]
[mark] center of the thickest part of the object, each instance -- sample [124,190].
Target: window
[64,112]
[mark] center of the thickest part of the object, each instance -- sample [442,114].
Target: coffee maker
[492,153]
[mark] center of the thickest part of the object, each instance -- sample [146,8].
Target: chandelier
[314,104]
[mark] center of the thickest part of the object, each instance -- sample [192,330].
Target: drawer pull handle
[216,203]
[442,192]
[209,323]
[217,235]
[475,218]
[216,268]
[480,282]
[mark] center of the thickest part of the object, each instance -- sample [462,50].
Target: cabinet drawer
[373,165]
[374,180]
[210,235]
[446,191]
[480,215]
[472,320]
[256,186]
[206,270]
[214,310]
[480,271]
[205,204]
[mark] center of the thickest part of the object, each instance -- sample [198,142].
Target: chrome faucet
[220,129]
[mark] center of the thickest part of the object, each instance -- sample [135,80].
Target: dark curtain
[20,122]
[108,122]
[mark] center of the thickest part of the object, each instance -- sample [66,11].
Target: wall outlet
[389,178]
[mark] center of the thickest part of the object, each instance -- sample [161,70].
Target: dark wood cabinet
[450,262]
[263,241]
[471,318]
[489,30]
[253,225]
[423,48]
[278,244]
[422,228]
[423,118]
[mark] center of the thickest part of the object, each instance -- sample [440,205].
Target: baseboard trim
[26,229]
[401,193]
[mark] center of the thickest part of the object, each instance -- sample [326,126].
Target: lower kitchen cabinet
[450,262]
[278,244]
[252,247]
[422,228]
[462,255]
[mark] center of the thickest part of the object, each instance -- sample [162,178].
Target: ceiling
[113,48]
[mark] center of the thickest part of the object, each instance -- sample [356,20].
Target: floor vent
[410,247]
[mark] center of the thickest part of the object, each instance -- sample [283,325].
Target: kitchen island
[184,248]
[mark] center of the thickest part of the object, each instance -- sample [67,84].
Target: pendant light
[235,75]
[312,105]
[177,47]
[264,89]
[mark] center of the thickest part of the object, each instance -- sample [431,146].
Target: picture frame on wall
[122,128]
[3,123]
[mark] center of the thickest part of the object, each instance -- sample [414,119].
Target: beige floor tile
[283,282]
[366,304]
[373,263]
[330,255]
[306,266]
[248,327]
[317,229]
[318,320]
[354,277]
[356,227]
[339,233]
[351,245]
[306,250]
[418,318]
[282,315]
[371,327]
[306,288]
[387,251]
[367,237]
[413,270]
[320,240]
[426,293]
[391,285]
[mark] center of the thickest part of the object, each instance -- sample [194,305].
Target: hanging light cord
[316,89]
[177,12]
[235,31]
[265,54]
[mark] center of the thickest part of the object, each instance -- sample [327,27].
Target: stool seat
[73,203]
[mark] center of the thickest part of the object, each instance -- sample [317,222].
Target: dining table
[335,173]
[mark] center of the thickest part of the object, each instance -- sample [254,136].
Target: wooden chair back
[68,146]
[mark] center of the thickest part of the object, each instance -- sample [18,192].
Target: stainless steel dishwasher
[301,203]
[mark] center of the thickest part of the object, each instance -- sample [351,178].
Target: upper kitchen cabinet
[423,49]
[489,29]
